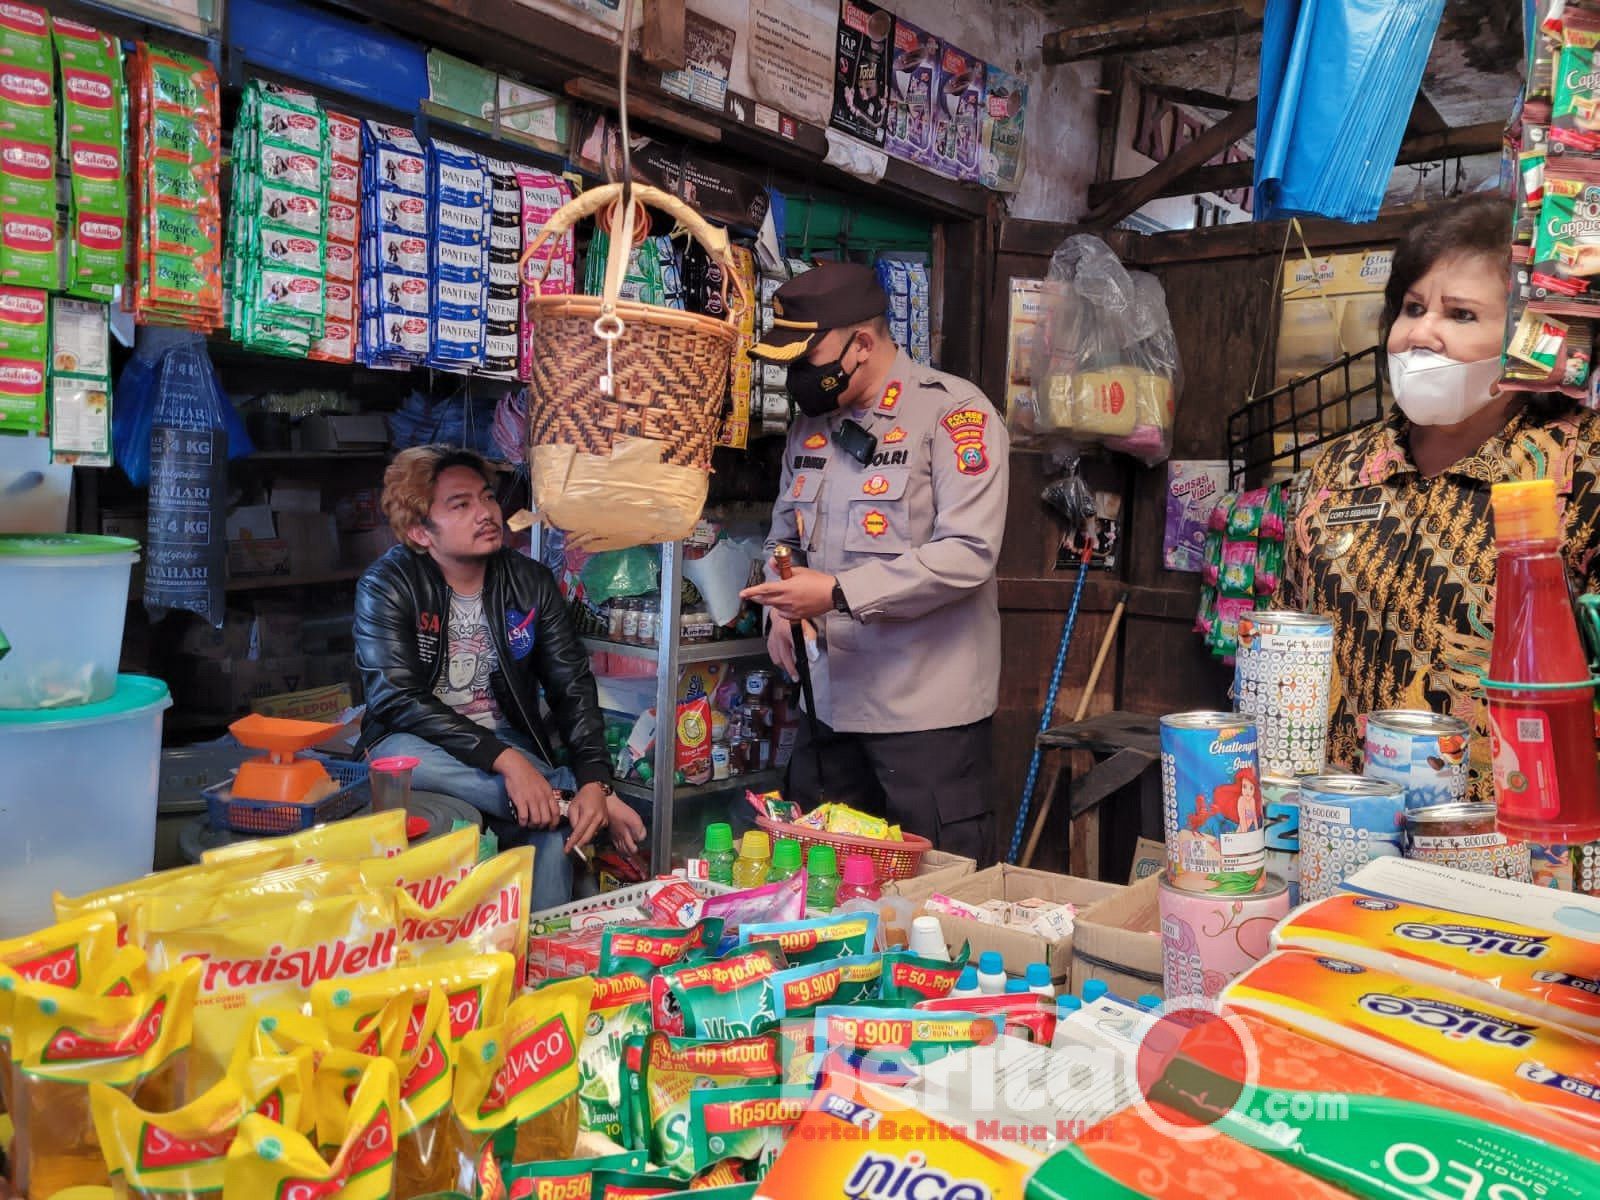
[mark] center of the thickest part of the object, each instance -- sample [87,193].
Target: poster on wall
[791,56]
[908,132]
[1005,108]
[861,70]
[708,47]
[958,114]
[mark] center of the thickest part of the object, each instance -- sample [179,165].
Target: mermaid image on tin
[1233,808]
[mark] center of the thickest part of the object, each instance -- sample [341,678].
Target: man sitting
[455,635]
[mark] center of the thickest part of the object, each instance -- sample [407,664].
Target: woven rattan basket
[629,464]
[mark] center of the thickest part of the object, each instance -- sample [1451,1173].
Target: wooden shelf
[267,582]
[755,781]
[319,455]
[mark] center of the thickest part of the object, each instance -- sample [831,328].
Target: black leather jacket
[402,614]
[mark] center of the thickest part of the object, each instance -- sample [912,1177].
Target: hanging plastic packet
[618,1010]
[93,101]
[517,1082]
[501,303]
[568,1180]
[750,1124]
[27,138]
[62,1041]
[184,908]
[269,1159]
[458,255]
[428,872]
[486,913]
[552,271]
[884,1045]
[908,978]
[842,935]
[378,835]
[477,991]
[273,958]
[120,899]
[645,950]
[1566,248]
[676,1068]
[728,998]
[1575,104]
[395,207]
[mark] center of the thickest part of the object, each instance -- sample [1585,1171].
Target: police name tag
[1357,514]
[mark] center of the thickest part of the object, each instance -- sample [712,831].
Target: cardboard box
[365,431]
[1018,947]
[312,704]
[255,557]
[938,871]
[367,547]
[295,497]
[1149,858]
[231,686]
[1118,941]
[313,540]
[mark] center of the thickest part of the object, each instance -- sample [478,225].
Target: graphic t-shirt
[471,663]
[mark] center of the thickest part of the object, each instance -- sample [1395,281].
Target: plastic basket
[890,860]
[270,816]
[609,907]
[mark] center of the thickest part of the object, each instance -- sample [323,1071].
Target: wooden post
[1148,186]
[662,39]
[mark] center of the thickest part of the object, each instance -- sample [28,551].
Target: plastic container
[391,781]
[927,939]
[785,860]
[860,880]
[967,985]
[78,802]
[63,598]
[822,879]
[1066,1007]
[991,973]
[1038,979]
[720,854]
[1093,990]
[755,860]
[1016,987]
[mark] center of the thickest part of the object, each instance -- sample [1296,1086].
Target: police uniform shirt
[913,538]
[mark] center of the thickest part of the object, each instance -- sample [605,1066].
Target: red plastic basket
[891,860]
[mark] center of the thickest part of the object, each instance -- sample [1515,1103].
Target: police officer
[894,503]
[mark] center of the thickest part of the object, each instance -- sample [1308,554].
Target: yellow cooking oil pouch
[181,909]
[517,1082]
[476,990]
[119,899]
[429,872]
[180,1155]
[273,959]
[269,1161]
[127,971]
[273,1032]
[379,835]
[486,913]
[63,1041]
[433,1152]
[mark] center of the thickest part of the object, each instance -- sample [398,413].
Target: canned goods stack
[1283,678]
[1463,836]
[1346,821]
[1424,752]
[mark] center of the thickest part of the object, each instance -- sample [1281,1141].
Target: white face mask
[1434,390]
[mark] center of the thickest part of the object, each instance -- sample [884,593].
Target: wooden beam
[1425,118]
[1195,98]
[1151,30]
[662,39]
[1461,142]
[1137,192]
[1255,238]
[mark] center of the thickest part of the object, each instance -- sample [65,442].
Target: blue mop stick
[1047,714]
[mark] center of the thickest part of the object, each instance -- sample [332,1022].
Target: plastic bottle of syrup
[822,878]
[967,985]
[785,860]
[755,860]
[1546,779]
[719,853]
[860,890]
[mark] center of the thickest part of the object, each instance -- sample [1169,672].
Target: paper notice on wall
[791,56]
[708,50]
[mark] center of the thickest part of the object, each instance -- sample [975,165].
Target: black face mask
[816,388]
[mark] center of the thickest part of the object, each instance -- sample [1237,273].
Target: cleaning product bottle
[1093,990]
[927,939]
[822,878]
[1546,779]
[1016,987]
[991,973]
[1066,1005]
[785,860]
[967,985]
[1038,979]
[719,852]
[755,860]
[860,891]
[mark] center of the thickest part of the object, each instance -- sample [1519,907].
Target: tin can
[1424,752]
[1207,941]
[1346,821]
[1566,867]
[1282,799]
[1211,793]
[1463,836]
[1283,675]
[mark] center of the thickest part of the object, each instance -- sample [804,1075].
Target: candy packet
[818,939]
[476,991]
[380,835]
[570,1180]
[645,950]
[486,913]
[676,1068]
[618,1010]
[750,1124]
[908,978]
[728,998]
[517,1082]
[269,1159]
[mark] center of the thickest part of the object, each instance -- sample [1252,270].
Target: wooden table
[1127,750]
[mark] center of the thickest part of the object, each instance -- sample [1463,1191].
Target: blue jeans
[440,771]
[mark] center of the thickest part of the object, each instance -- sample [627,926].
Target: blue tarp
[329,52]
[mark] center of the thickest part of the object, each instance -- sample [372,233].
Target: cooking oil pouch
[68,954]
[731,997]
[908,978]
[486,913]
[476,990]
[161,1155]
[628,1185]
[176,909]
[271,1160]
[380,835]
[676,1068]
[432,1155]
[63,1041]
[842,935]
[517,1082]
[635,1112]
[800,991]
[750,1124]
[565,1180]
[618,1010]
[338,1077]
[274,958]
[429,872]
[885,1045]
[119,899]
[275,1032]
[645,950]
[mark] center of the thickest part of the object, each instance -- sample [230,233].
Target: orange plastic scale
[278,775]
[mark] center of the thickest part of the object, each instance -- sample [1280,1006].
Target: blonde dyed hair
[408,485]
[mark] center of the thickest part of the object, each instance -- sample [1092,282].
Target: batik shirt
[1405,565]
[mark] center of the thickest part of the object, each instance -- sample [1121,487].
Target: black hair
[1473,225]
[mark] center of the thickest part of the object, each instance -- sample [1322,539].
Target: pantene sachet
[273,959]
[477,990]
[119,900]
[381,835]
[1534,971]
[62,1041]
[181,909]
[486,913]
[522,1074]
[269,1161]
[429,872]
[163,1155]
[432,1148]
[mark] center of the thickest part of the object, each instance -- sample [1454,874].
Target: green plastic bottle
[822,880]
[785,860]
[755,860]
[719,853]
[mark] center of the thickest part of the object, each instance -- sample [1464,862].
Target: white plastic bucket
[77,798]
[63,599]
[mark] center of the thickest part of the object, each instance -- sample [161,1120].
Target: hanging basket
[628,465]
